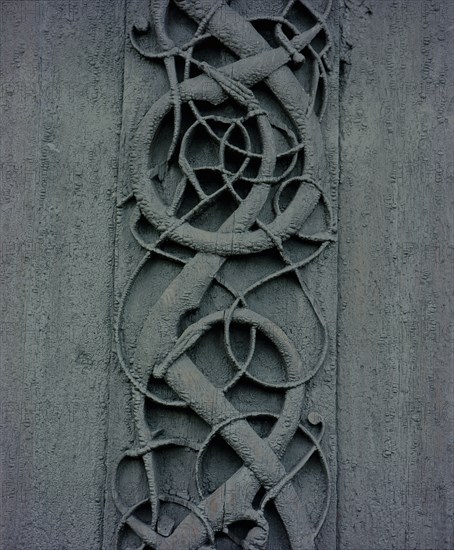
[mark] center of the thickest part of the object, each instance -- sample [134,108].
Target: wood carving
[228,173]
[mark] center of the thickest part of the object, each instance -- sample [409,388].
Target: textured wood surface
[62,75]
[395,340]
[64,403]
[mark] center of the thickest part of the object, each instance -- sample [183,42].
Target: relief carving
[230,206]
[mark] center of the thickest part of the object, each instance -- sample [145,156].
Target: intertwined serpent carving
[242,174]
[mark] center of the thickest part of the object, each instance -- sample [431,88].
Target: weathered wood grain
[395,340]
[62,72]
[66,254]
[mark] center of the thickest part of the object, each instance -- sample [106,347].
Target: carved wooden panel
[73,430]
[226,277]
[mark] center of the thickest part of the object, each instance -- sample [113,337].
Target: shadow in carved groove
[229,205]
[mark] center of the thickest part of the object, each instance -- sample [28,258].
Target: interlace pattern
[227,170]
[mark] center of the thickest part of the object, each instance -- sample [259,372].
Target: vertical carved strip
[217,329]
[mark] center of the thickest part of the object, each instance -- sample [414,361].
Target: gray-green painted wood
[144,83]
[62,76]
[64,401]
[395,340]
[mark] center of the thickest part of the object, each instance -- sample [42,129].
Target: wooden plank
[19,161]
[60,129]
[145,82]
[395,391]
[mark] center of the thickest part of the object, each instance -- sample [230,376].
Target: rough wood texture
[66,407]
[395,342]
[62,73]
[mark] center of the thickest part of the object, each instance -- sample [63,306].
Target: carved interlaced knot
[268,168]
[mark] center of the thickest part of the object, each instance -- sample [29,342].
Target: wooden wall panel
[395,341]
[72,92]
[62,72]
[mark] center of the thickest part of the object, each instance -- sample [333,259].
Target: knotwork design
[229,198]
